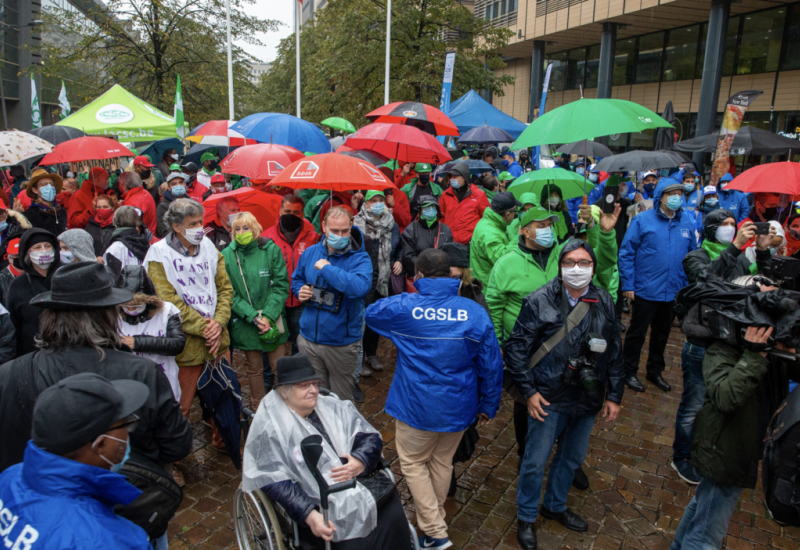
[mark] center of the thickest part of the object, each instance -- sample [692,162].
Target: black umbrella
[750,140]
[642,160]
[221,395]
[368,156]
[196,152]
[485,134]
[665,137]
[57,134]
[586,147]
[476,167]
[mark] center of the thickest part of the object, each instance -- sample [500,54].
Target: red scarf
[104,217]
[792,244]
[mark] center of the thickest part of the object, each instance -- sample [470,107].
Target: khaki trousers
[255,372]
[336,364]
[426,459]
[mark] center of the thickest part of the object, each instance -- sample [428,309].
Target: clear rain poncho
[272,454]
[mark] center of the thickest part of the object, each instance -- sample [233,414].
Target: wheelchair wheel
[256,523]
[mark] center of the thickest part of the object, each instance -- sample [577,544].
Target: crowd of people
[117,291]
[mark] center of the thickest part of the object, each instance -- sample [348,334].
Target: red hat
[3,205]
[218,178]
[142,160]
[13,246]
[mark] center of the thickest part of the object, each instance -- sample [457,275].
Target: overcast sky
[270,9]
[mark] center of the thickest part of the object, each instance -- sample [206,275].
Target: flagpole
[388,51]
[297,16]
[230,61]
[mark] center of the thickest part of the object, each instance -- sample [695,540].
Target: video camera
[321,297]
[580,371]
[783,269]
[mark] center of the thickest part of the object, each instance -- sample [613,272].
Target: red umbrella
[264,206]
[411,113]
[332,172]
[262,162]
[86,148]
[400,142]
[218,132]
[776,177]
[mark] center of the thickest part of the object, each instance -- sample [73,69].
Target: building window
[791,60]
[730,46]
[681,53]
[576,65]
[624,59]
[558,72]
[648,66]
[760,44]
[593,66]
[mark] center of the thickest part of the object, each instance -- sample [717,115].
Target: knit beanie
[80,243]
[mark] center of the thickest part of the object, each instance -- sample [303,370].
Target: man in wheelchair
[368,516]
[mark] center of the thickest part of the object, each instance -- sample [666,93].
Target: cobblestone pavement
[635,499]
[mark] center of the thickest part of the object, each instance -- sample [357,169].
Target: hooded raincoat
[461,216]
[420,236]
[490,242]
[735,201]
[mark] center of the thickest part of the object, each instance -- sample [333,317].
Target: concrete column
[712,72]
[608,44]
[537,77]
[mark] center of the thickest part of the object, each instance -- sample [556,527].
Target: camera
[322,297]
[782,268]
[580,371]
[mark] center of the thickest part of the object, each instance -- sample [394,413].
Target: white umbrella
[16,147]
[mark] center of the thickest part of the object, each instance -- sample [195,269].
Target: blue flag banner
[447,85]
[535,155]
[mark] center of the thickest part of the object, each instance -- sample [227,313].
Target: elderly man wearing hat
[490,239]
[651,272]
[80,204]
[43,212]
[62,495]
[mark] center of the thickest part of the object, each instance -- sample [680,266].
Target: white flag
[36,117]
[63,101]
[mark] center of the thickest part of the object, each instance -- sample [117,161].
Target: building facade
[695,53]
[257,70]
[308,9]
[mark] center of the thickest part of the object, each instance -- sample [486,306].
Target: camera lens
[591,385]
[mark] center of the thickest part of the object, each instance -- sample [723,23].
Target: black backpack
[781,465]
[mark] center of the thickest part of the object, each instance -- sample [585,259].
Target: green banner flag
[63,101]
[179,110]
[36,116]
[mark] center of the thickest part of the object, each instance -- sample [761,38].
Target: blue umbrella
[221,395]
[485,134]
[156,149]
[283,130]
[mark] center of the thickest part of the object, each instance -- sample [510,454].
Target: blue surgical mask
[505,164]
[230,218]
[593,177]
[711,203]
[178,191]
[455,184]
[3,226]
[674,202]
[544,237]
[337,242]
[580,170]
[48,193]
[117,467]
[688,187]
[377,208]
[429,213]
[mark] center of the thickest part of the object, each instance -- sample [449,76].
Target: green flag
[179,110]
[63,101]
[36,117]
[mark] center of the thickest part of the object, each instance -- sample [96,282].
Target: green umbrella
[571,184]
[339,124]
[588,119]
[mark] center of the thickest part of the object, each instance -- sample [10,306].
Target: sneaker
[685,471]
[427,542]
[374,364]
[365,372]
[358,394]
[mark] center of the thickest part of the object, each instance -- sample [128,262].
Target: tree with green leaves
[143,45]
[343,53]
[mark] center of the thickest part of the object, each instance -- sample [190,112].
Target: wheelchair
[261,524]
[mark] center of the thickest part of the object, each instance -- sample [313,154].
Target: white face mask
[67,257]
[553,201]
[175,157]
[42,258]
[135,310]
[725,233]
[577,277]
[194,236]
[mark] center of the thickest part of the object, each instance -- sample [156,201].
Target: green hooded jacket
[408,189]
[489,243]
[517,274]
[267,281]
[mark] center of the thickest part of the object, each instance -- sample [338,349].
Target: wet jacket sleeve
[490,373]
[193,322]
[606,252]
[408,242]
[173,433]
[615,381]
[224,293]
[356,281]
[521,345]
[279,292]
[496,299]
[697,262]
[379,315]
[367,450]
[744,207]
[170,345]
[299,274]
[292,498]
[731,381]
[8,340]
[627,255]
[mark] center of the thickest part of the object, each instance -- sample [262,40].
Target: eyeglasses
[131,424]
[572,263]
[306,385]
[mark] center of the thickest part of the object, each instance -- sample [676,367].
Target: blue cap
[726,177]
[510,154]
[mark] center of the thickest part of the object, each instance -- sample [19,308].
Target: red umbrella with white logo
[396,141]
[262,161]
[332,172]
[420,115]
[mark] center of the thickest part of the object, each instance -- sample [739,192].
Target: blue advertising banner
[447,85]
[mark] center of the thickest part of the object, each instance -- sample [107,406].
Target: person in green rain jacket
[528,201]
[489,240]
[534,262]
[257,272]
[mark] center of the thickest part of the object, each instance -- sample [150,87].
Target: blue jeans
[574,432]
[705,521]
[161,543]
[694,393]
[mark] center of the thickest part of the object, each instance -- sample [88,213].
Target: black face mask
[290,223]
[649,188]
[212,165]
[15,263]
[769,213]
[145,174]
[424,179]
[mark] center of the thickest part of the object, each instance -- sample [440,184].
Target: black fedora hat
[294,369]
[82,285]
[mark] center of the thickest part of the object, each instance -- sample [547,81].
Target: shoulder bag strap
[244,282]
[573,320]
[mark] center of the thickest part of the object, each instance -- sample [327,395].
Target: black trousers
[658,317]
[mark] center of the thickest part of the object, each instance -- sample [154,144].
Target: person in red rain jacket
[133,194]
[294,234]
[80,204]
[462,203]
[404,174]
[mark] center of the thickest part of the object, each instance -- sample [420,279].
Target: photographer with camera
[744,387]
[565,357]
[332,278]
